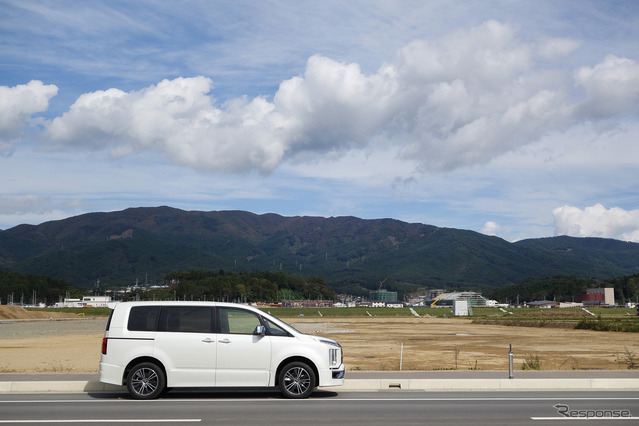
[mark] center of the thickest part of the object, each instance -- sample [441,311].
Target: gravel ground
[26,328]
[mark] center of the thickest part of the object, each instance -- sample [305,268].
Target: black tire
[145,381]
[296,380]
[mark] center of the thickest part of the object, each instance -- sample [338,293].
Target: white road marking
[584,418]
[314,400]
[104,421]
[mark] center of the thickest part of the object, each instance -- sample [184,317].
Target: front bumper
[332,377]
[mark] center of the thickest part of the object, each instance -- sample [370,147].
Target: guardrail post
[510,361]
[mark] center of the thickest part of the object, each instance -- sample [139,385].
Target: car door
[186,344]
[243,357]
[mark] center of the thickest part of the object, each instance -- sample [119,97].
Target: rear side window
[108,326]
[186,319]
[143,318]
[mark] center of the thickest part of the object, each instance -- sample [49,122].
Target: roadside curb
[61,386]
[354,385]
[564,384]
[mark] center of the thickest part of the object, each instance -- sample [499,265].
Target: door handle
[208,340]
[224,341]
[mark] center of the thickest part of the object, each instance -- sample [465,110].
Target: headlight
[334,355]
[334,358]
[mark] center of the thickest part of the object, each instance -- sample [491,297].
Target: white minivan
[154,346]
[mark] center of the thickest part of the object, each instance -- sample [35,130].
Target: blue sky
[512,118]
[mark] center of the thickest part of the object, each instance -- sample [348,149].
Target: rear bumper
[111,374]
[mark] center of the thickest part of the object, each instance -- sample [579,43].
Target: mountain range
[352,255]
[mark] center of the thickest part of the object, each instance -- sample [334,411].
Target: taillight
[104,345]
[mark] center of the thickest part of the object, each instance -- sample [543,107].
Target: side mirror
[260,330]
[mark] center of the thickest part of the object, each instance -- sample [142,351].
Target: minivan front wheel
[296,380]
[145,381]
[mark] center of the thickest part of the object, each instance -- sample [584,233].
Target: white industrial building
[85,302]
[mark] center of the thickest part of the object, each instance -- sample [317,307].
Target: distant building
[461,308]
[597,296]
[570,305]
[543,304]
[416,300]
[435,293]
[448,299]
[382,296]
[86,302]
[307,303]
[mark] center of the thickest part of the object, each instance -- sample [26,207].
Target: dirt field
[370,344]
[17,312]
[375,344]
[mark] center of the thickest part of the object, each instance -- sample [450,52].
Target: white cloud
[17,106]
[24,204]
[477,95]
[554,48]
[15,210]
[333,106]
[177,118]
[597,221]
[612,87]
[487,54]
[490,228]
[443,104]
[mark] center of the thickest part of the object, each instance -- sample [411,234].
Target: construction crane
[380,283]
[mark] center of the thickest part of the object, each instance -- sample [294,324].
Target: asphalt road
[323,408]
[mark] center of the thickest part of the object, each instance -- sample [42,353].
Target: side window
[238,321]
[186,319]
[143,318]
[275,329]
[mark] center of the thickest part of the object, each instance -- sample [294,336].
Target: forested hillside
[351,255]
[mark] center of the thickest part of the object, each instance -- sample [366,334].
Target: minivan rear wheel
[145,381]
[296,380]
